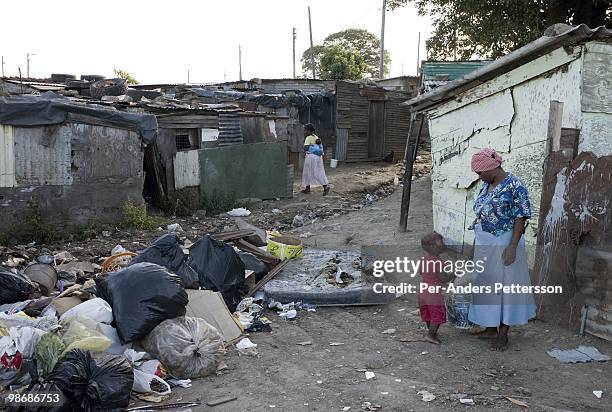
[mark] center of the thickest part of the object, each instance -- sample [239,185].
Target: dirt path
[320,377]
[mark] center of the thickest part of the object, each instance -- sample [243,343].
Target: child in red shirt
[431,302]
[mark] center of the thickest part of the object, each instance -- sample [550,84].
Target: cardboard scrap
[211,307]
[580,354]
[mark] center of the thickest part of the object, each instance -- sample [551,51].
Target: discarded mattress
[325,277]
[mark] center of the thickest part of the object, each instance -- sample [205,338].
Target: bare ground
[290,377]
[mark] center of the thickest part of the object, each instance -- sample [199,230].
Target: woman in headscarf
[502,209]
[314,171]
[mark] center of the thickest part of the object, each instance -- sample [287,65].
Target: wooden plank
[262,255]
[555,120]
[7,156]
[277,269]
[232,235]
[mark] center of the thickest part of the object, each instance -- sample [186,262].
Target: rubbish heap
[138,325]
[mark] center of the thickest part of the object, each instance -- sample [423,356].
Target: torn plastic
[142,296]
[50,108]
[187,347]
[94,382]
[148,383]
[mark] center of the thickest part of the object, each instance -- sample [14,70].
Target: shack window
[183,142]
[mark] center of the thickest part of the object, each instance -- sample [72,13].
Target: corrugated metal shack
[289,111]
[357,121]
[68,163]
[197,141]
[547,107]
[409,84]
[371,123]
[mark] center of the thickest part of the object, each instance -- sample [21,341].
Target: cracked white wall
[510,114]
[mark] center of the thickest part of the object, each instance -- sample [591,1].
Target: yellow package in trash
[82,333]
[285,247]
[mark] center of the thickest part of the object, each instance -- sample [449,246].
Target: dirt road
[319,377]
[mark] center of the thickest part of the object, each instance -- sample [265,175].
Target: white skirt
[491,309]
[313,172]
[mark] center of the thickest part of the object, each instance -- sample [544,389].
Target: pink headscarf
[485,160]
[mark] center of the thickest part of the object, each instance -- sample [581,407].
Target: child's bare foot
[500,344]
[432,339]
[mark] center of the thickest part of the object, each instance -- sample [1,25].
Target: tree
[339,63]
[468,29]
[123,74]
[366,44]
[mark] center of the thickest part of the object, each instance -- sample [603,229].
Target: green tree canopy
[468,29]
[339,63]
[123,74]
[359,41]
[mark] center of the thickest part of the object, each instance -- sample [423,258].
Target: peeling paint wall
[510,114]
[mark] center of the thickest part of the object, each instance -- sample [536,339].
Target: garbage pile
[136,326]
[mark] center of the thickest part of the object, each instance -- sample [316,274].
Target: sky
[160,41]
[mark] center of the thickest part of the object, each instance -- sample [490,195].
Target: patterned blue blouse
[497,210]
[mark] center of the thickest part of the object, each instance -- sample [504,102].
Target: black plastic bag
[14,287]
[166,251]
[142,296]
[219,267]
[252,263]
[94,383]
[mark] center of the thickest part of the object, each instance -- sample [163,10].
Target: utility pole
[294,37]
[240,62]
[188,76]
[381,72]
[28,63]
[2,66]
[312,58]
[418,54]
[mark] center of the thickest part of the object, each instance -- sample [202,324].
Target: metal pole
[187,76]
[381,72]
[240,62]
[294,37]
[312,59]
[2,66]
[418,54]
[28,65]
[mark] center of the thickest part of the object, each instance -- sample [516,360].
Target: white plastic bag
[116,347]
[96,309]
[239,212]
[21,339]
[26,338]
[187,347]
[147,383]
